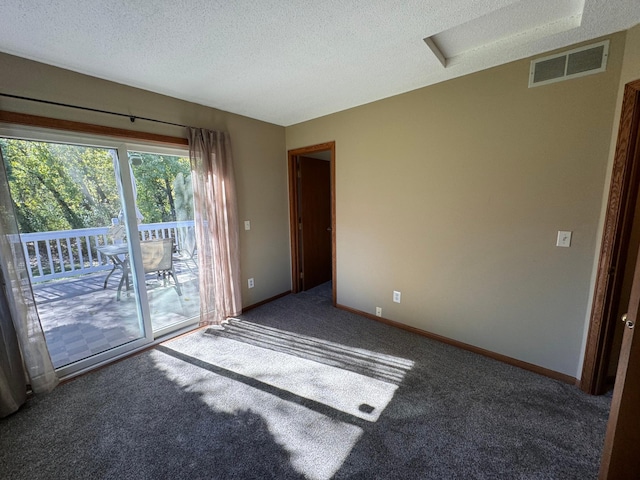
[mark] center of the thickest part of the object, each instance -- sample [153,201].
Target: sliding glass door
[107,231]
[67,198]
[164,208]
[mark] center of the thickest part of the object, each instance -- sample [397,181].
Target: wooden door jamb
[293,213]
[625,178]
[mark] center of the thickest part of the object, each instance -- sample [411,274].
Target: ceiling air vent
[572,64]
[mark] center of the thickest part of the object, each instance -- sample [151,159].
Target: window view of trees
[164,188]
[62,187]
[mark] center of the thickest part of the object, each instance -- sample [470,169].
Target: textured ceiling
[286,61]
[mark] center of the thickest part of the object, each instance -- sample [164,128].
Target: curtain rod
[133,118]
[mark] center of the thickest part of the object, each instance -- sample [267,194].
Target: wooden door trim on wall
[625,178]
[293,213]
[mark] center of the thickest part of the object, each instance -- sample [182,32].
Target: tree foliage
[183,197]
[155,178]
[62,187]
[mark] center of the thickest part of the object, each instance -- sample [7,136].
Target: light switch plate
[247,225]
[564,239]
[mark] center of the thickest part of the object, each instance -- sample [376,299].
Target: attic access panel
[508,27]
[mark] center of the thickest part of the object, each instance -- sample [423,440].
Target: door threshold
[130,353]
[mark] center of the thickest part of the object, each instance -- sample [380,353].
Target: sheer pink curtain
[216,225]
[24,356]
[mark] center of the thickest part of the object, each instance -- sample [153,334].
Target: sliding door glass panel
[164,211]
[69,210]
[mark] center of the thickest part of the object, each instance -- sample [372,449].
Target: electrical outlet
[378,311]
[251,284]
[247,225]
[396,296]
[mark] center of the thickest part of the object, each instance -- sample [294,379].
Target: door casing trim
[293,213]
[623,191]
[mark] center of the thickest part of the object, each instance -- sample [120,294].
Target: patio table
[119,256]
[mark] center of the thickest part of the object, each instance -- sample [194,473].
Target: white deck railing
[66,253]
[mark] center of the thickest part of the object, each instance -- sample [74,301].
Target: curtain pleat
[20,302]
[13,378]
[216,225]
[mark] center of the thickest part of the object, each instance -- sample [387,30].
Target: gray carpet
[296,389]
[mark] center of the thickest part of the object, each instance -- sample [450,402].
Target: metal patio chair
[157,256]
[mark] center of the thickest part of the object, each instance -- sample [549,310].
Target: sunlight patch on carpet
[341,389]
[317,443]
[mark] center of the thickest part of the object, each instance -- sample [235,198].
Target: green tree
[60,187]
[155,181]
[183,197]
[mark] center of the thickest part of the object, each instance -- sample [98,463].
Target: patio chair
[186,248]
[157,256]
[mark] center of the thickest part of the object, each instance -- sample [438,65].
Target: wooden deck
[80,318]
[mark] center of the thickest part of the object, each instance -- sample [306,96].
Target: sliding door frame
[42,129]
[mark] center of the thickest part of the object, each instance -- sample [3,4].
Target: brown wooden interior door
[614,261]
[314,192]
[621,454]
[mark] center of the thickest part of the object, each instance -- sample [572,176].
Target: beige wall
[453,194]
[258,147]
